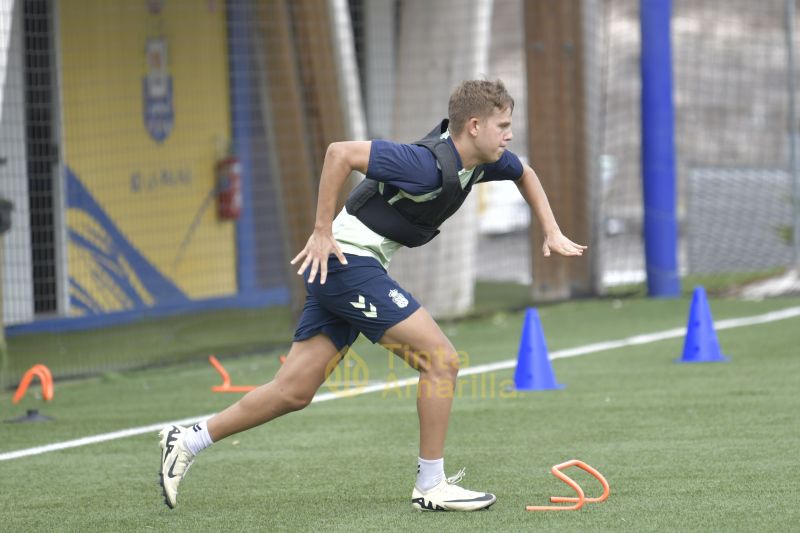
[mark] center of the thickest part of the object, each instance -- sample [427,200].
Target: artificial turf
[685,447]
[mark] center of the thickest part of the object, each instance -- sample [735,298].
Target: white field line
[636,340]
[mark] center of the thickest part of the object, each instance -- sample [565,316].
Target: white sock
[429,473]
[198,438]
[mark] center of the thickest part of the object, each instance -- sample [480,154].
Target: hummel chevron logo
[362,304]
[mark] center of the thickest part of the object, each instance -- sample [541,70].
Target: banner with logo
[145,110]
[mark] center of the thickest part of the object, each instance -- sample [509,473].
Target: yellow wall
[155,193]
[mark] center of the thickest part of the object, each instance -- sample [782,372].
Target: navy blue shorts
[358,297]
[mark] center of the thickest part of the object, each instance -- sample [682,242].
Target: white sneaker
[448,496]
[175,462]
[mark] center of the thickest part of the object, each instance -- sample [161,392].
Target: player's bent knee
[296,402]
[441,363]
[293,399]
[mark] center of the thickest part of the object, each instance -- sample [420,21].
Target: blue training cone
[533,364]
[701,344]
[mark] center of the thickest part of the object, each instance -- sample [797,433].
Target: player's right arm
[341,159]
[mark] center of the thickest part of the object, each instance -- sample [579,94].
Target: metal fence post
[794,134]
[5,224]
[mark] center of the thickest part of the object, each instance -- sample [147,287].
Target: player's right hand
[318,249]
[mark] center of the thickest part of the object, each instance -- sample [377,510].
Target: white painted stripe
[114,435]
[635,340]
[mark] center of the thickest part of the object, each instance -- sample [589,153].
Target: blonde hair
[476,98]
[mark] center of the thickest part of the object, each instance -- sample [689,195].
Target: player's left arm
[554,241]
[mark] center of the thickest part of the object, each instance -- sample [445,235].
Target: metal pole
[241,18]
[5,225]
[3,346]
[658,151]
[794,134]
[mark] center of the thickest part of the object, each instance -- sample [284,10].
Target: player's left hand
[558,243]
[320,246]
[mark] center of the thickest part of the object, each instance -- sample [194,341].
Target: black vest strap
[446,157]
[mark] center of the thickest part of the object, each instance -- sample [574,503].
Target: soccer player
[409,190]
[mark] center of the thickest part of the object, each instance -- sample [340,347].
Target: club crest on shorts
[399,300]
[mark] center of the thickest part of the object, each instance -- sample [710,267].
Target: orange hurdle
[226,379]
[581,498]
[45,377]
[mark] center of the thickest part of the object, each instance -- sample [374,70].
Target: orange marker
[226,379]
[581,498]
[45,377]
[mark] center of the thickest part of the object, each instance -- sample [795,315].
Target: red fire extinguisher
[229,188]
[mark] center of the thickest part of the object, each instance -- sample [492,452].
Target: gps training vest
[408,222]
